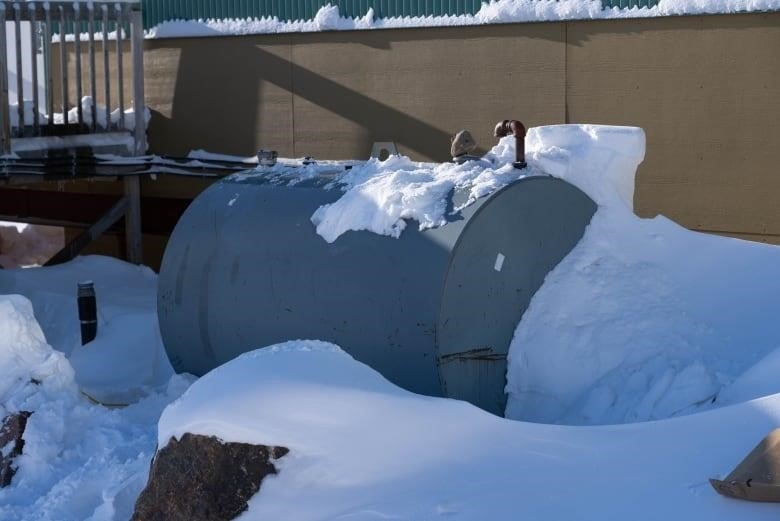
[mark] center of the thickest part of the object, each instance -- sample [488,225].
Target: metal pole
[63,67]
[92,80]
[19,70]
[34,50]
[47,64]
[106,76]
[77,50]
[119,65]
[5,125]
[87,305]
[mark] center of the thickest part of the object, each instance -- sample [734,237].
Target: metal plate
[498,264]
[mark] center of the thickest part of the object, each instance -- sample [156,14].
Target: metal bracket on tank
[480,353]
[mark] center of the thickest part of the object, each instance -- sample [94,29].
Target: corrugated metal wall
[156,11]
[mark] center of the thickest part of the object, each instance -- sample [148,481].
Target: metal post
[119,65]
[87,306]
[92,76]
[5,124]
[63,67]
[19,69]
[106,76]
[77,51]
[34,51]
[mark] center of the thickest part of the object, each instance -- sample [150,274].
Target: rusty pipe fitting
[517,129]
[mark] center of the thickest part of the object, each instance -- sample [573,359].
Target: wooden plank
[158,215]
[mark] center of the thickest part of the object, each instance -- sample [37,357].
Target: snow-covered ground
[81,461]
[642,321]
[363,449]
[127,359]
[328,18]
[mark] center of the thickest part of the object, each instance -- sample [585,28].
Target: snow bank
[26,360]
[328,18]
[362,448]
[80,461]
[643,319]
[601,160]
[127,359]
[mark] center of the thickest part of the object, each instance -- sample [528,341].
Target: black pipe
[87,304]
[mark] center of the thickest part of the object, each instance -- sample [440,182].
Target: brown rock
[462,143]
[202,478]
[11,437]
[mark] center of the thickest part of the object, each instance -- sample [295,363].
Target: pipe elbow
[514,128]
[509,126]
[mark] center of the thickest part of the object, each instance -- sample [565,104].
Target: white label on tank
[499,262]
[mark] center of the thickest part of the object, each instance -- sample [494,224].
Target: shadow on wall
[335,93]
[224,97]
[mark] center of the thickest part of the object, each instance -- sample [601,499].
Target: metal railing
[91,36]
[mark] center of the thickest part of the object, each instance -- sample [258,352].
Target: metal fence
[157,11]
[70,73]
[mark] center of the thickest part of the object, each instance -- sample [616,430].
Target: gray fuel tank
[433,311]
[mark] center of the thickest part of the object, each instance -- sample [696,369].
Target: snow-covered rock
[11,444]
[202,478]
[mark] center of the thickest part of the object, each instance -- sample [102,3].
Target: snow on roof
[328,18]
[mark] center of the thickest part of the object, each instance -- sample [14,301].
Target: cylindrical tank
[434,311]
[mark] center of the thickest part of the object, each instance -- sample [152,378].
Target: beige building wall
[706,89]
[331,95]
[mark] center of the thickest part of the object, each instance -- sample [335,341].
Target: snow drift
[361,448]
[80,461]
[643,319]
[127,359]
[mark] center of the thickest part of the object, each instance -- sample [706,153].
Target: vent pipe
[517,129]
